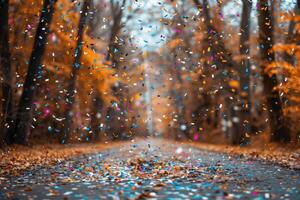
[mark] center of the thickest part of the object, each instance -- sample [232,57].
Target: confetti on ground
[155,169]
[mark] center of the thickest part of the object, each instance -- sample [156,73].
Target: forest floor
[284,155]
[17,159]
[144,169]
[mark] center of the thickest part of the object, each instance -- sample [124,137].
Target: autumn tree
[5,65]
[94,75]
[287,67]
[114,123]
[71,91]
[97,99]
[279,128]
[245,74]
[178,56]
[24,113]
[223,59]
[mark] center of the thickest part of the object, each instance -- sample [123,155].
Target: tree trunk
[95,122]
[117,14]
[76,66]
[279,129]
[222,57]
[24,113]
[246,72]
[5,65]
[179,101]
[97,101]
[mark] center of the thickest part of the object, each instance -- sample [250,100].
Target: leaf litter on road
[151,169]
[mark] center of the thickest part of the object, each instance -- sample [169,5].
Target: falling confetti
[149,99]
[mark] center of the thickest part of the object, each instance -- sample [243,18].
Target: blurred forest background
[223,71]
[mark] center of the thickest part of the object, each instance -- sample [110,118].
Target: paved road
[156,170]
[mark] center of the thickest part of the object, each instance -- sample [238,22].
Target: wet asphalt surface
[155,170]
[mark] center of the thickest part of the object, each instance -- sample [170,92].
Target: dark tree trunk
[97,101]
[233,126]
[117,13]
[112,46]
[95,121]
[111,115]
[6,123]
[246,72]
[24,113]
[279,128]
[179,101]
[76,66]
[222,57]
